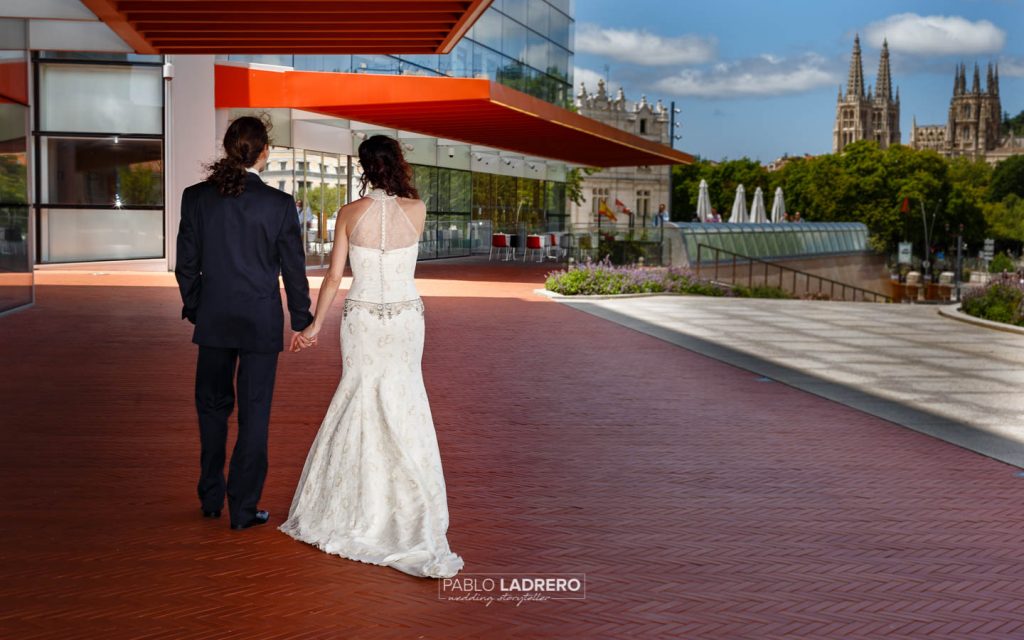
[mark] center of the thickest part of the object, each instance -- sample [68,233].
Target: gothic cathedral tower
[867,115]
[974,115]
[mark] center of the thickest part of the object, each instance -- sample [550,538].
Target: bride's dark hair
[244,141]
[384,167]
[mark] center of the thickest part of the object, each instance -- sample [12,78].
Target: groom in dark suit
[236,236]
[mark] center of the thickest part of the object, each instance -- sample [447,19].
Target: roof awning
[290,26]
[476,111]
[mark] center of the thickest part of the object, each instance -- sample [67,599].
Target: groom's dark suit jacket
[230,252]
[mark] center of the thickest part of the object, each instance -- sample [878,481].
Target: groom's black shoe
[261,517]
[211,513]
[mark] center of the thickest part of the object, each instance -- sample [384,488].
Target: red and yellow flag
[602,209]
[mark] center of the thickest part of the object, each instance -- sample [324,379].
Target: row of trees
[867,184]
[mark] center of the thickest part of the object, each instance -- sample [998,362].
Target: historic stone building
[973,128]
[640,189]
[867,115]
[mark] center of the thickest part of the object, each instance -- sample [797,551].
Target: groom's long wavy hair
[244,141]
[384,167]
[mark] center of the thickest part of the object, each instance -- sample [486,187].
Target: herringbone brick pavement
[700,501]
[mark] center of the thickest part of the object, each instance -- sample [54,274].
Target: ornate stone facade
[640,189]
[867,115]
[973,128]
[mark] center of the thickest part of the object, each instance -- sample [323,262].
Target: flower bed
[1000,300]
[604,278]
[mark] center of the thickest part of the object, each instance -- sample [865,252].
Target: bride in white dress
[372,488]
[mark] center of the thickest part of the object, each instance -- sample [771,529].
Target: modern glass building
[109,109]
[470,191]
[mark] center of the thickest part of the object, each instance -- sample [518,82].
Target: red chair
[534,243]
[499,241]
[554,250]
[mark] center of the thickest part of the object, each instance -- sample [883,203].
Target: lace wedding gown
[372,488]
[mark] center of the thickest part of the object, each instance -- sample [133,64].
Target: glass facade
[15,255]
[525,44]
[15,265]
[100,189]
[774,240]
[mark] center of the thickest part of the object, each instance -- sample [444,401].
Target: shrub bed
[1000,300]
[604,278]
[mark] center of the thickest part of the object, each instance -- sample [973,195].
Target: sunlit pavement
[906,363]
[700,500]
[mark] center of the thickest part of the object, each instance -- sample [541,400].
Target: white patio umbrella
[703,203]
[739,206]
[778,207]
[757,212]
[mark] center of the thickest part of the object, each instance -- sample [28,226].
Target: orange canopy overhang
[289,26]
[471,110]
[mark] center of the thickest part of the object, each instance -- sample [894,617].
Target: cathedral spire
[855,83]
[883,85]
[976,85]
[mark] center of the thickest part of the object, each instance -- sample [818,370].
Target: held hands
[304,339]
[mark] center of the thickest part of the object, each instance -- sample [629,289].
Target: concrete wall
[864,270]
[190,134]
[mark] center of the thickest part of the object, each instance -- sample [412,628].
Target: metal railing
[825,285]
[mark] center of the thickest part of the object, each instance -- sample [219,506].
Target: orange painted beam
[471,110]
[469,18]
[107,11]
[14,81]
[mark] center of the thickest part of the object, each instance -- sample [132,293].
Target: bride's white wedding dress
[372,488]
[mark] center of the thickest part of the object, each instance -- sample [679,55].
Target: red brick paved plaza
[699,501]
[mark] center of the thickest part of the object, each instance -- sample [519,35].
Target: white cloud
[765,75]
[643,47]
[589,79]
[936,35]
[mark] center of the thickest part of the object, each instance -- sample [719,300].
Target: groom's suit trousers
[215,400]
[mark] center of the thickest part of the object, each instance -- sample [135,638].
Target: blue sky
[759,79]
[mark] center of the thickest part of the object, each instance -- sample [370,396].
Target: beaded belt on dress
[383,310]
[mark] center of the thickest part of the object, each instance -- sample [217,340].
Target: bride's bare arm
[329,287]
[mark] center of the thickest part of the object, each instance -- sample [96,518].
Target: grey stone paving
[905,363]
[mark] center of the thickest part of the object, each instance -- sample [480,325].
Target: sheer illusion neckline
[384,226]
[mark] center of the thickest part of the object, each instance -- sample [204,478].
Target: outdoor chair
[500,242]
[536,244]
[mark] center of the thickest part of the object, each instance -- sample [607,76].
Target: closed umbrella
[757,212]
[739,206]
[778,207]
[703,203]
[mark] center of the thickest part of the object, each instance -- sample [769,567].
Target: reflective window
[537,51]
[488,30]
[107,98]
[537,16]
[77,235]
[516,9]
[17,279]
[112,171]
[514,40]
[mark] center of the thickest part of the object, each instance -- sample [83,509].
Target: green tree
[1005,219]
[1007,178]
[328,199]
[1015,125]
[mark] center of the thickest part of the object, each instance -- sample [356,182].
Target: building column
[190,134]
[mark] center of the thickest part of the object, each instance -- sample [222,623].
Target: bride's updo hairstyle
[243,143]
[384,167]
